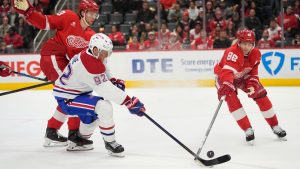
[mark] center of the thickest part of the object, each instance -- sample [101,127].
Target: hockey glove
[119,83]
[135,106]
[225,89]
[252,84]
[4,70]
[22,6]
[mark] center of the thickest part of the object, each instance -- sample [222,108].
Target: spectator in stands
[163,13]
[296,41]
[231,32]
[297,7]
[145,15]
[152,43]
[144,34]
[209,10]
[133,44]
[13,17]
[134,31]
[218,20]
[250,5]
[175,12]
[4,27]
[5,8]
[253,23]
[164,33]
[265,42]
[236,21]
[195,32]
[274,31]
[173,43]
[222,41]
[185,20]
[116,36]
[3,48]
[24,30]
[202,42]
[290,22]
[168,4]
[13,40]
[193,11]
[179,32]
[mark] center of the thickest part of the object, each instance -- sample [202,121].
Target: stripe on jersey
[82,105]
[239,114]
[230,68]
[269,113]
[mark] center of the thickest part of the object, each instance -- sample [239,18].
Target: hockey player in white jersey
[84,74]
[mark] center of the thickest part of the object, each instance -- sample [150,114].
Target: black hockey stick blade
[215,161]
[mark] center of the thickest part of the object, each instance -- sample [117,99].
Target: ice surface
[185,112]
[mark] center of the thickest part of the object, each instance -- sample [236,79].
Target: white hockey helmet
[101,42]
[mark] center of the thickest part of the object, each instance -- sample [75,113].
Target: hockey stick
[210,125]
[216,161]
[25,88]
[33,77]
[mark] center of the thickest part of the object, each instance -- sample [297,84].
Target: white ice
[184,112]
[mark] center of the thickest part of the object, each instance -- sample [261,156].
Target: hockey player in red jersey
[73,92]
[72,35]
[5,70]
[238,69]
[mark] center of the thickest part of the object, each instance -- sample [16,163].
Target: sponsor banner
[198,65]
[24,63]
[167,68]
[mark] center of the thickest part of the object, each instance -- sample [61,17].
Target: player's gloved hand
[135,106]
[252,85]
[119,83]
[5,70]
[22,6]
[225,89]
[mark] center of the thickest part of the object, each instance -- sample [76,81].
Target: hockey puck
[210,154]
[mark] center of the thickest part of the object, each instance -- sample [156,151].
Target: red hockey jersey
[69,33]
[234,65]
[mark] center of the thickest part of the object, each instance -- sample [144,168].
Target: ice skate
[54,139]
[114,149]
[77,143]
[250,136]
[280,133]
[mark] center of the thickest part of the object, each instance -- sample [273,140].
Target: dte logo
[269,61]
[155,65]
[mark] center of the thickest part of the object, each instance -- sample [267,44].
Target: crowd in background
[179,24]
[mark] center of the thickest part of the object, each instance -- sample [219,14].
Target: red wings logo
[76,42]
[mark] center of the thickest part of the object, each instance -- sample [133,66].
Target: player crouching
[238,69]
[84,74]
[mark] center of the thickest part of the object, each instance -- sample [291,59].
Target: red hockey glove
[225,89]
[4,70]
[252,85]
[22,6]
[135,106]
[119,83]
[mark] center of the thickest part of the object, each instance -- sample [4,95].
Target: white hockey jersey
[85,74]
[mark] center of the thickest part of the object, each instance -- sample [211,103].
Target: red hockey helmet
[88,5]
[246,35]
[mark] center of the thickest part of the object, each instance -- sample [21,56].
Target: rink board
[279,67]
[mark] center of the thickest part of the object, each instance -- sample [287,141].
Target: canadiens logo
[76,42]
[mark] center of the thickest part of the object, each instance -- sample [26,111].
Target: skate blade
[120,155]
[251,143]
[282,138]
[73,147]
[51,143]
[199,163]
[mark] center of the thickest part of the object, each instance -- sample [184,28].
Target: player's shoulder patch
[91,64]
